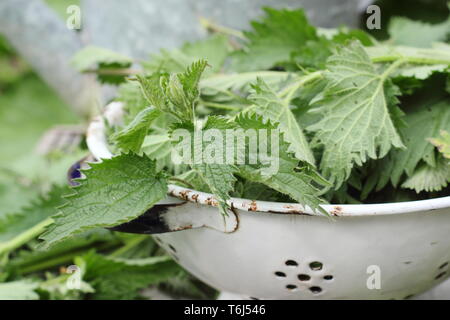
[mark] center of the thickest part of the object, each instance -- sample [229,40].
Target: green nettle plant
[358,121]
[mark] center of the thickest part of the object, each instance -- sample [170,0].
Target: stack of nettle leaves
[360,121]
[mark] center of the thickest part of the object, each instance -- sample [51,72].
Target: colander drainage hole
[440,275]
[443,265]
[291,263]
[280,274]
[172,248]
[291,287]
[303,277]
[316,265]
[315,290]
[328,277]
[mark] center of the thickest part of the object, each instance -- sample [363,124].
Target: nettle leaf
[356,123]
[92,56]
[428,178]
[220,180]
[423,62]
[257,191]
[101,60]
[194,180]
[19,290]
[132,136]
[153,92]
[272,107]
[298,180]
[186,285]
[313,54]
[275,168]
[443,142]
[284,38]
[133,99]
[424,122]
[123,278]
[115,191]
[177,93]
[37,211]
[217,174]
[241,81]
[158,147]
[214,49]
[26,261]
[420,72]
[343,35]
[404,31]
[189,80]
[272,40]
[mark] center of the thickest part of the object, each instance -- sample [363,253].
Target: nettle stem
[209,25]
[392,68]
[220,106]
[413,60]
[128,246]
[290,90]
[64,258]
[113,71]
[397,60]
[25,236]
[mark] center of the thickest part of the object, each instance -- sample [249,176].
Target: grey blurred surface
[135,28]
[140,26]
[43,39]
[440,292]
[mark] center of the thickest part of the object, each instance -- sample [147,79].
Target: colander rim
[337,210]
[98,146]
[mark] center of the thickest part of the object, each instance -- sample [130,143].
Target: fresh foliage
[428,178]
[36,213]
[285,38]
[443,143]
[349,93]
[214,49]
[102,61]
[18,290]
[114,278]
[132,136]
[352,120]
[404,31]
[274,39]
[296,179]
[356,122]
[273,107]
[113,192]
[423,122]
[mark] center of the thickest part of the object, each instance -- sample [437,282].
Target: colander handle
[169,215]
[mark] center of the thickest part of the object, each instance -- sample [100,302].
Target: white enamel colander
[268,250]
